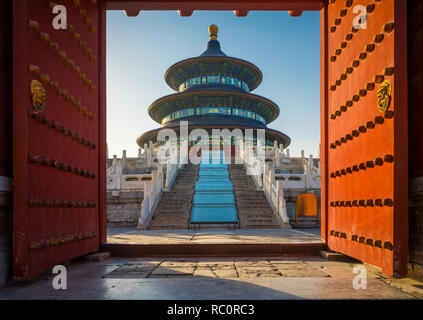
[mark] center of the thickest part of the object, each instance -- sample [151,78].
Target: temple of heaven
[214,92]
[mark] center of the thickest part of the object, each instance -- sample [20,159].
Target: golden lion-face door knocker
[38,94]
[384,96]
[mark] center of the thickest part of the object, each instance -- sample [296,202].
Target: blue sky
[140,49]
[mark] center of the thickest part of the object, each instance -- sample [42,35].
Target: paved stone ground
[222,268]
[129,235]
[211,278]
[214,278]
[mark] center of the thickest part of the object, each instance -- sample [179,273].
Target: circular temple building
[214,92]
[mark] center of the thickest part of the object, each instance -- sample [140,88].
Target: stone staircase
[174,208]
[254,211]
[123,208]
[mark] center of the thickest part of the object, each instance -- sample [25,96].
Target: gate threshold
[213,249]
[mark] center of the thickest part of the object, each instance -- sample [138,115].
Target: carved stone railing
[172,169]
[274,192]
[152,193]
[291,180]
[251,165]
[135,181]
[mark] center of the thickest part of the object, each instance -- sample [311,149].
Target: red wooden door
[58,128]
[364,127]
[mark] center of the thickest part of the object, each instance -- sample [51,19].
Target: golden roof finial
[213,29]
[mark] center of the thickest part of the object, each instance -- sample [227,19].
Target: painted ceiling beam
[132,12]
[241,13]
[224,5]
[295,13]
[185,13]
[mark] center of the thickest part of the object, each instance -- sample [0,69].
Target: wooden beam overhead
[132,12]
[241,13]
[185,12]
[218,5]
[295,13]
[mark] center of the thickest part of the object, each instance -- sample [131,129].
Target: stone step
[254,211]
[174,192]
[169,215]
[174,204]
[242,188]
[253,201]
[186,197]
[163,207]
[251,220]
[252,197]
[173,210]
[169,221]
[168,226]
[260,226]
[249,193]
[178,186]
[253,207]
[181,191]
[159,217]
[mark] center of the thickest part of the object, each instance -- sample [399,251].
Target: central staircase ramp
[214,201]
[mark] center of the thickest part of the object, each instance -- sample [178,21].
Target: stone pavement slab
[225,272]
[173,271]
[204,271]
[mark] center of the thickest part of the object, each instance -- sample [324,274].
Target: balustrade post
[266,170]
[281,202]
[307,174]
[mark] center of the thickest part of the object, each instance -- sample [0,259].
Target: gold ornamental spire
[213,29]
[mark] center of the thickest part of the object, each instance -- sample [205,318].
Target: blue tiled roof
[213,50]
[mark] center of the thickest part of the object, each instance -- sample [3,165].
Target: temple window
[213,79]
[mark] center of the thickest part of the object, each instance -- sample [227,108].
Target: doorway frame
[185,9]
[294,8]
